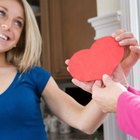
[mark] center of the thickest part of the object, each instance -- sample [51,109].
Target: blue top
[20,114]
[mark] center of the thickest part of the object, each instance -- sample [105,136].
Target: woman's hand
[132,54]
[87,86]
[119,76]
[107,97]
[132,51]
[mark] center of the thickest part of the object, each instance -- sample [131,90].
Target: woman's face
[11,24]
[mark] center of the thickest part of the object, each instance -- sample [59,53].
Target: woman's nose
[4,27]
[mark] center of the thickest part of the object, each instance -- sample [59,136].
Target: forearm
[91,118]
[133,90]
[128,112]
[126,68]
[85,118]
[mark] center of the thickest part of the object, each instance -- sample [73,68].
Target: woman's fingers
[87,86]
[135,49]
[129,41]
[67,61]
[118,32]
[125,38]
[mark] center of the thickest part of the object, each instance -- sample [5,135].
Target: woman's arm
[86,118]
[128,113]
[114,97]
[133,90]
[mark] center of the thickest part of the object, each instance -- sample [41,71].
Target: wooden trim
[44,10]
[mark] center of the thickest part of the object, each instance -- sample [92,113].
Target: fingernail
[117,38]
[122,43]
[105,76]
[113,35]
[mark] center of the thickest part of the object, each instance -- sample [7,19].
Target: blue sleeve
[40,78]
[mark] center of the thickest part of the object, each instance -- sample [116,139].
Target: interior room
[68,26]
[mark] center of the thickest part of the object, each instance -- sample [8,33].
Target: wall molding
[106,24]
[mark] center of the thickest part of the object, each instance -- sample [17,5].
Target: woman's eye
[2,13]
[19,24]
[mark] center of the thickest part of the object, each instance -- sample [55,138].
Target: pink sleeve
[131,89]
[128,113]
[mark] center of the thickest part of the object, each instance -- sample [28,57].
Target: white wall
[107,6]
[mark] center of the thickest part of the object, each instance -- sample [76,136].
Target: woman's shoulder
[37,76]
[38,70]
[37,73]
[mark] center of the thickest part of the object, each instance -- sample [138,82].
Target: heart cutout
[101,58]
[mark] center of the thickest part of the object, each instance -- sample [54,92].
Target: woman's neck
[3,61]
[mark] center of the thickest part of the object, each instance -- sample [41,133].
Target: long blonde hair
[28,50]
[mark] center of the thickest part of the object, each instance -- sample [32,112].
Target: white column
[107,6]
[130,20]
[134,26]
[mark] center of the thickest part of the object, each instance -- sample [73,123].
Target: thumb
[67,61]
[107,80]
[97,84]
[135,49]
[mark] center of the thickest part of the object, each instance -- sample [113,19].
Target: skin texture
[106,97]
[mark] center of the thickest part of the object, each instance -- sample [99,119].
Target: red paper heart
[101,58]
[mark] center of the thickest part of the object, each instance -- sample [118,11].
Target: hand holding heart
[125,39]
[132,51]
[107,97]
[102,57]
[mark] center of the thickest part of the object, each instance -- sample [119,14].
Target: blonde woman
[23,82]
